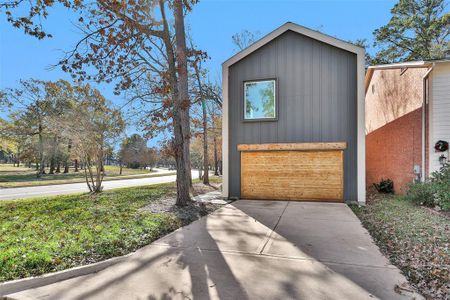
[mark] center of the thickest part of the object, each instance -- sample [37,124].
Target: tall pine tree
[418,30]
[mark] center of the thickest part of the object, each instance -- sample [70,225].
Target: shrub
[433,192]
[440,181]
[385,186]
[421,193]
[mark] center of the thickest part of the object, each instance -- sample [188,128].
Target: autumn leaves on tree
[139,47]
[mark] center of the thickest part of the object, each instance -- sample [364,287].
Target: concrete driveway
[249,250]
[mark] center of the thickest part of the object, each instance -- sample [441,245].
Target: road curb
[14,286]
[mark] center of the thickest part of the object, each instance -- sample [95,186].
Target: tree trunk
[205,127]
[66,163]
[179,129]
[89,178]
[120,168]
[76,165]
[99,168]
[216,158]
[52,165]
[205,146]
[183,87]
[17,157]
[98,175]
[53,158]
[41,153]
[58,167]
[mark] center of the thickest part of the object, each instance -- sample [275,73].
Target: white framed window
[260,99]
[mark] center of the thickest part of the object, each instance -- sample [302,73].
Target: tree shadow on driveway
[331,238]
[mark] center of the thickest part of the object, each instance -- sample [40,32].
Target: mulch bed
[193,210]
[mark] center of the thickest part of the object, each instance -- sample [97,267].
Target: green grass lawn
[22,177]
[47,234]
[415,239]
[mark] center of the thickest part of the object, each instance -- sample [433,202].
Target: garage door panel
[324,161]
[303,194]
[287,183]
[311,168]
[317,161]
[292,175]
[304,173]
[261,186]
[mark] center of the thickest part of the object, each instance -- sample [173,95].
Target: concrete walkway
[249,250]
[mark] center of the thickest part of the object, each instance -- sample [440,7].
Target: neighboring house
[407,112]
[293,118]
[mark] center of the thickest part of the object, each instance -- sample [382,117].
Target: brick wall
[393,149]
[391,95]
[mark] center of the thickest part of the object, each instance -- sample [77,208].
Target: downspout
[424,106]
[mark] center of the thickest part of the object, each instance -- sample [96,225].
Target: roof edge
[400,65]
[298,29]
[409,64]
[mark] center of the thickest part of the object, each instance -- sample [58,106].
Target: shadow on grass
[225,256]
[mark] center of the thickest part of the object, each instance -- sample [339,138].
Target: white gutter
[409,64]
[424,106]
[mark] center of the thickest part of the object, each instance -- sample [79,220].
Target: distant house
[407,113]
[293,118]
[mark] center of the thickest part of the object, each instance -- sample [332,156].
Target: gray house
[293,119]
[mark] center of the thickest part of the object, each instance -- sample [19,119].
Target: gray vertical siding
[316,100]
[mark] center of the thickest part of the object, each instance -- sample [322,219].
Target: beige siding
[392,95]
[439,110]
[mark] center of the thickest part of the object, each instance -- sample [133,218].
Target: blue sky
[211,23]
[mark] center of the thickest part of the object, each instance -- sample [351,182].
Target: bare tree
[244,39]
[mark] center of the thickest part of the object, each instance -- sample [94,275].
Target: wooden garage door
[292,175]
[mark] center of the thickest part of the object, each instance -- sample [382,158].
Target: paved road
[71,188]
[248,250]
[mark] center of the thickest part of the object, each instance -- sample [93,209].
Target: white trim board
[361,137]
[361,131]
[225,144]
